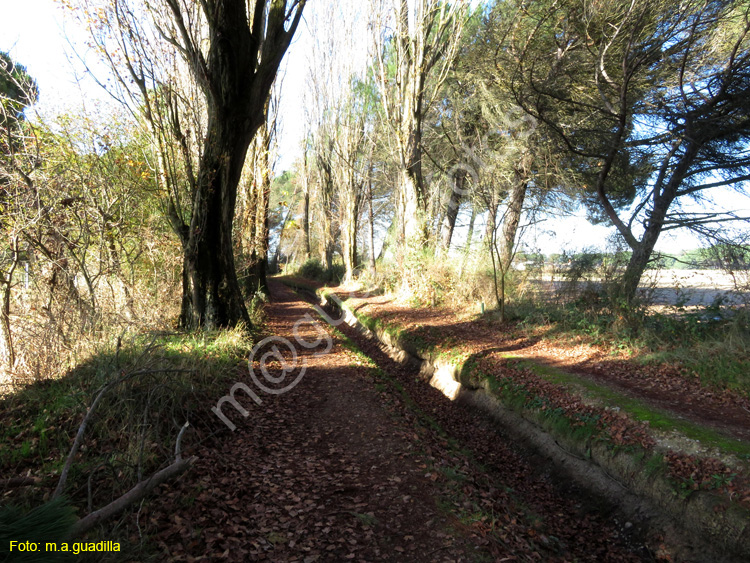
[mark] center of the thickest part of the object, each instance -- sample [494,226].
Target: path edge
[701,524]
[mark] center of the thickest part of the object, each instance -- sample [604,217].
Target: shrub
[313,269]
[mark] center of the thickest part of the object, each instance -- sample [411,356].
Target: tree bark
[349,238]
[451,212]
[350,202]
[511,222]
[371,223]
[326,200]
[235,75]
[472,221]
[7,351]
[216,299]
[491,220]
[253,237]
[414,212]
[491,233]
[259,256]
[662,200]
[306,213]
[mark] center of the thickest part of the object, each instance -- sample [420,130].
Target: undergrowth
[314,269]
[528,388]
[712,343]
[165,379]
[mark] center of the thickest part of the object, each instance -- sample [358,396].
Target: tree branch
[132,496]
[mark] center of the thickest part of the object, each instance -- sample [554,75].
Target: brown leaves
[693,473]
[337,471]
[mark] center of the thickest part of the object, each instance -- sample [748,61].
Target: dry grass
[56,329]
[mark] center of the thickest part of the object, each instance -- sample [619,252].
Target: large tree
[235,74]
[416,44]
[651,103]
[232,50]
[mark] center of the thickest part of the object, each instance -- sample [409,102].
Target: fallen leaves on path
[346,467]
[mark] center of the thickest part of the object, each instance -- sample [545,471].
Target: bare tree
[350,138]
[254,201]
[18,159]
[336,109]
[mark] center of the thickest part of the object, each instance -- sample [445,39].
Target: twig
[139,492]
[79,437]
[20,482]
[177,445]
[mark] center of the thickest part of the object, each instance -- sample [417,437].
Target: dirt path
[345,467]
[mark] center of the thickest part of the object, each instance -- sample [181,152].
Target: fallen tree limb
[133,495]
[82,428]
[79,438]
[19,482]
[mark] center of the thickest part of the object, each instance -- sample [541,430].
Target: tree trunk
[371,225]
[470,234]
[413,213]
[511,222]
[235,74]
[451,212]
[326,200]
[7,352]
[185,304]
[491,233]
[491,222]
[254,224]
[306,217]
[642,254]
[254,237]
[216,300]
[349,239]
[350,202]
[643,249]
[259,257]
[326,250]
[469,237]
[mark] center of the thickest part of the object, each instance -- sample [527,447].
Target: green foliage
[99,260]
[49,522]
[313,269]
[17,90]
[136,424]
[712,341]
[655,465]
[734,257]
